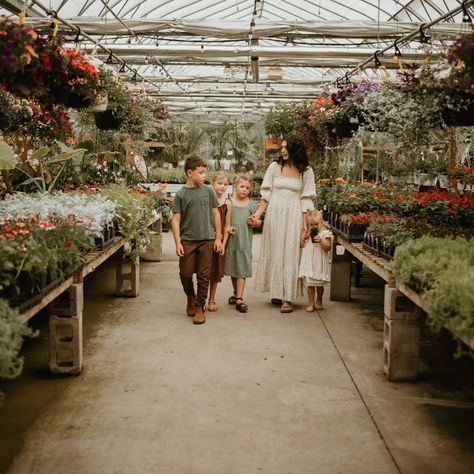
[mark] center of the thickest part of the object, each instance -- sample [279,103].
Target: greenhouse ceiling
[215,59]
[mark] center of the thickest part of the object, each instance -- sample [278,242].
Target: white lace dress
[314,265]
[288,198]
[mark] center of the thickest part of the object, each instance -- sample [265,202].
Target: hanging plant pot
[76,101]
[107,120]
[346,127]
[459,118]
[464,117]
[100,105]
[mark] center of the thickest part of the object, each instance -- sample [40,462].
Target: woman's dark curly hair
[297,155]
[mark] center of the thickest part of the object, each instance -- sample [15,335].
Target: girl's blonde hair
[243,177]
[314,214]
[219,175]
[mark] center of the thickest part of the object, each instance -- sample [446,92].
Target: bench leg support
[401,338]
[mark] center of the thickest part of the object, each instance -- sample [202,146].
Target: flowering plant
[17,49]
[95,211]
[82,76]
[461,58]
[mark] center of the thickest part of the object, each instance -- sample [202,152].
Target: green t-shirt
[195,206]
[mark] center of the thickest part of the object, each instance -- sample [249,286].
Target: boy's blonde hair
[243,177]
[219,175]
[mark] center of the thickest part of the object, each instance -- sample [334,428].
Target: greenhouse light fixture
[376,59]
[109,59]
[466,18]
[122,67]
[424,38]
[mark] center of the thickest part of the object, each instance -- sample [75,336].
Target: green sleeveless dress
[238,251]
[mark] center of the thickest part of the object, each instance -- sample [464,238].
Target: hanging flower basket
[107,120]
[459,118]
[77,101]
[345,127]
[100,105]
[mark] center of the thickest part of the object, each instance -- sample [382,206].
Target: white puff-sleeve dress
[314,264]
[288,198]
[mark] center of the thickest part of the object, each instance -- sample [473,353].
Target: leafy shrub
[442,270]
[13,329]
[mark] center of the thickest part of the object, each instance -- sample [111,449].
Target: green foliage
[280,119]
[135,214]
[442,270]
[8,159]
[13,329]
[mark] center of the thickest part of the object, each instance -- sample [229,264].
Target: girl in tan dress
[219,183]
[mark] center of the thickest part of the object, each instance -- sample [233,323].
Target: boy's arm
[217,228]
[175,228]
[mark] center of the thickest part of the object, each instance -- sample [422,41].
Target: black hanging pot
[107,120]
[464,117]
[76,101]
[346,127]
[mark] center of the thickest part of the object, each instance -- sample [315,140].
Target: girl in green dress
[238,239]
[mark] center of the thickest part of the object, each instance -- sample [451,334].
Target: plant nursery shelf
[92,261]
[381,267]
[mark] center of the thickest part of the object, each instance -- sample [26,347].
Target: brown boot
[191,307]
[199,317]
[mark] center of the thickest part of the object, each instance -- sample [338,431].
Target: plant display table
[402,309]
[66,302]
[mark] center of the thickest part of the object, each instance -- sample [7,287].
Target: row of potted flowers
[45,237]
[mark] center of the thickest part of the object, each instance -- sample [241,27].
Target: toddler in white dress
[314,264]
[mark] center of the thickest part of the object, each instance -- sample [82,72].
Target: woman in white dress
[287,190]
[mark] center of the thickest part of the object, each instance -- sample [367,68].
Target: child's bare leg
[319,300]
[239,294]
[212,297]
[311,293]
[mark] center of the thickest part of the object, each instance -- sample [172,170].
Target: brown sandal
[241,307]
[286,307]
[232,299]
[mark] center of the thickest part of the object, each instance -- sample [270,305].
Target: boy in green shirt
[196,230]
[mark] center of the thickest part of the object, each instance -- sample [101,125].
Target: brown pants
[197,259]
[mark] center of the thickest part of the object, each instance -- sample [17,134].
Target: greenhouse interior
[311,162]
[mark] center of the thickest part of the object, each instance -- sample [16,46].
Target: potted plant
[117,105]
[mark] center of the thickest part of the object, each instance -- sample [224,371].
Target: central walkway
[261,392]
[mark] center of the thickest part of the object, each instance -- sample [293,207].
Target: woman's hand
[252,221]
[230,230]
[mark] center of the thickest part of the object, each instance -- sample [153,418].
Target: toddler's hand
[317,239]
[231,230]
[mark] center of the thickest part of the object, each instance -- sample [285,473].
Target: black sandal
[241,307]
[232,299]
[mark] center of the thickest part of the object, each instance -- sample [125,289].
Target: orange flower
[339,180]
[324,181]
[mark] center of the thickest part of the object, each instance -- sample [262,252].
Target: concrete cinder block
[127,278]
[401,349]
[398,306]
[341,273]
[65,344]
[69,303]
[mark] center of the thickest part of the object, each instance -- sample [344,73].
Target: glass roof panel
[199,52]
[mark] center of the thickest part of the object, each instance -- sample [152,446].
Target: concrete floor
[262,392]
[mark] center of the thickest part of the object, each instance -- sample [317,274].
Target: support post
[401,337]
[127,278]
[341,272]
[65,332]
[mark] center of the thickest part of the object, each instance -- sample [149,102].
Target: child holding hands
[314,264]
[219,183]
[238,238]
